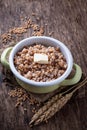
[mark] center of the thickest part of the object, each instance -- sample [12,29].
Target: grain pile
[25,65]
[12,34]
[21,96]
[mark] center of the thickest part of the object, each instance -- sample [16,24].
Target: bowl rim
[41,84]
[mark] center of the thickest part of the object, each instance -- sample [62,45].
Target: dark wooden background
[68,20]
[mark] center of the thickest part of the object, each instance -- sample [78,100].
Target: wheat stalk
[44,108]
[53,109]
[55,104]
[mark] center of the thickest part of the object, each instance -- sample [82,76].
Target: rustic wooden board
[68,21]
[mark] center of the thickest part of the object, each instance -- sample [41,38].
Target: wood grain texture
[68,21]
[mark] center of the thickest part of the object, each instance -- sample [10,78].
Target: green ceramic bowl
[42,87]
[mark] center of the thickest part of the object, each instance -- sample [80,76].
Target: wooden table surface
[67,19]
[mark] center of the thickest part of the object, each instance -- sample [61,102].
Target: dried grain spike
[44,108]
[53,109]
[58,104]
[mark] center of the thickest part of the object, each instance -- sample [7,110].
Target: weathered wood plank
[68,21]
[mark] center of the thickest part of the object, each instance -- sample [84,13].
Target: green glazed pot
[42,87]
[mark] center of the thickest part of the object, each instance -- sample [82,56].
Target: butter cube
[41,58]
